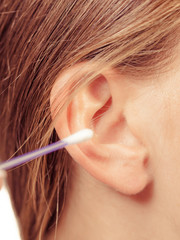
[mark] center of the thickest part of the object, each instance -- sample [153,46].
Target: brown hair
[41,38]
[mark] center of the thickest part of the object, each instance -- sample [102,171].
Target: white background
[8,225]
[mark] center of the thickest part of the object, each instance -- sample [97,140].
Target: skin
[95,210]
[2,175]
[1,183]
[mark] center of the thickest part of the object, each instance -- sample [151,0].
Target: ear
[115,156]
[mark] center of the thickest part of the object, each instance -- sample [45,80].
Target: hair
[38,40]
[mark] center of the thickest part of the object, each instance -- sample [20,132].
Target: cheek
[156,119]
[162,115]
[149,119]
[154,116]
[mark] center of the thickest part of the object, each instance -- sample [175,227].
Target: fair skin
[1,183]
[125,181]
[2,176]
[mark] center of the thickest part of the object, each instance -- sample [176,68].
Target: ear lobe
[114,156]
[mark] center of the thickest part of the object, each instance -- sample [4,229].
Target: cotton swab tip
[79,137]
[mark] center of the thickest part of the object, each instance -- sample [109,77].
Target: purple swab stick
[75,138]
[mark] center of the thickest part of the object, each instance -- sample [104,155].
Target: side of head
[77,63]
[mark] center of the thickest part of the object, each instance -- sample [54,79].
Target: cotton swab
[75,138]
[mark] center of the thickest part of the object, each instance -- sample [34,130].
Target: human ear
[114,156]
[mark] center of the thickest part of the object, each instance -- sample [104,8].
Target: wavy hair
[38,40]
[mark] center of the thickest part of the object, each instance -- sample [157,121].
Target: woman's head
[65,58]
